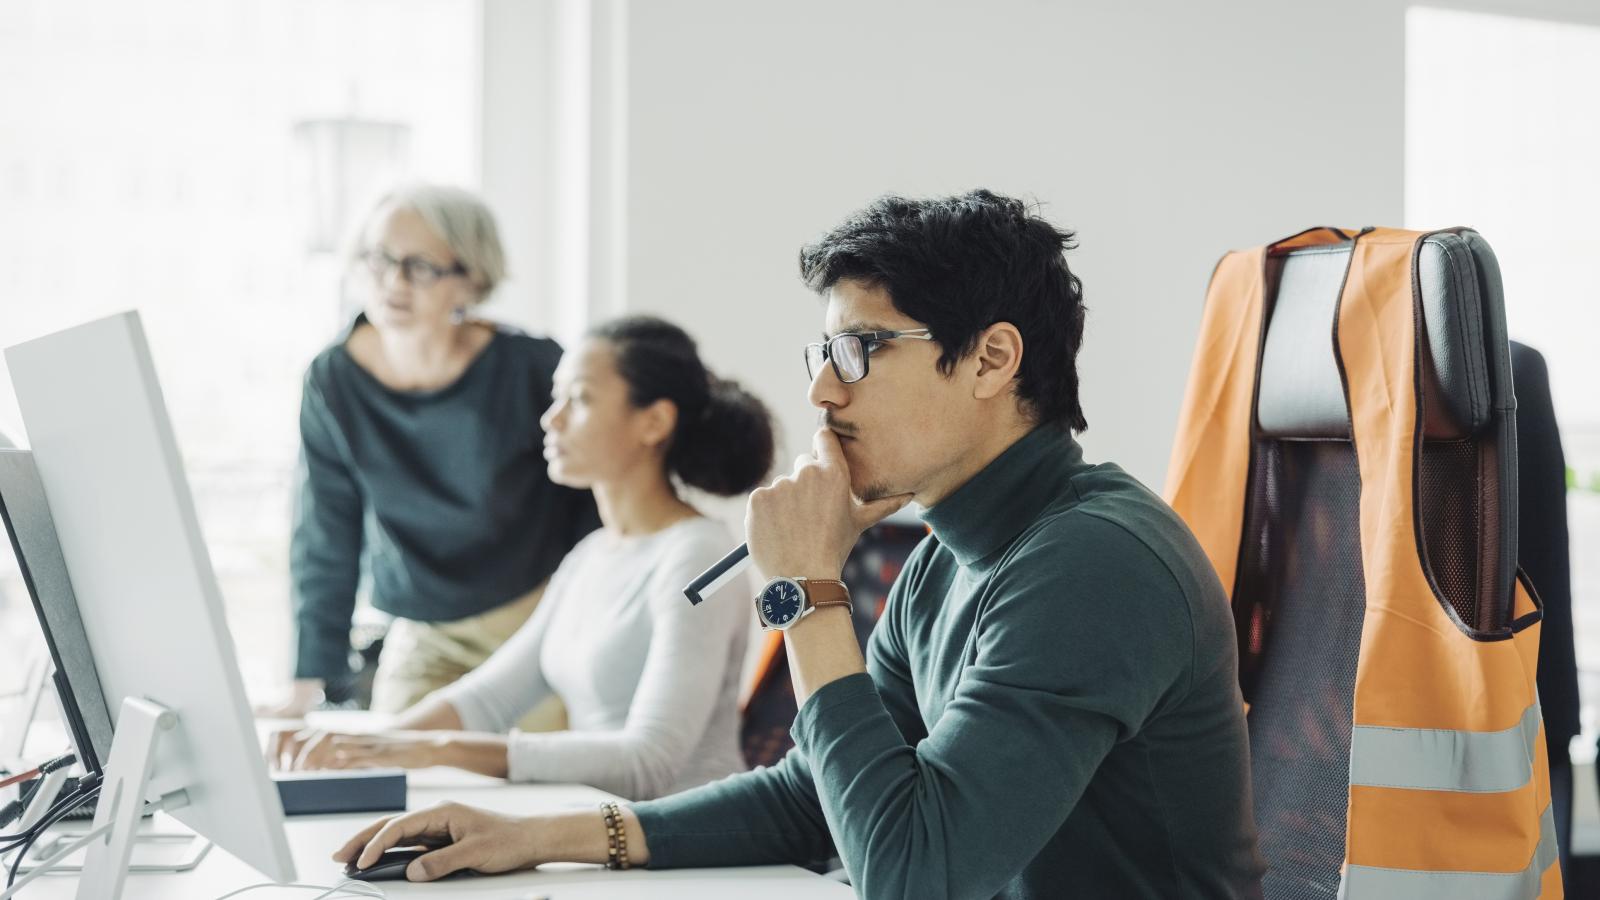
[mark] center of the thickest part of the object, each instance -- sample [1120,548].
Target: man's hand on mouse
[467,838]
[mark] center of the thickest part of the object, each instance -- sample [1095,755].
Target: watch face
[780,602]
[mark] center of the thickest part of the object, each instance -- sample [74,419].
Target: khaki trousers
[421,657]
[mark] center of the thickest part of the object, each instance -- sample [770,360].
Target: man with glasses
[1049,706]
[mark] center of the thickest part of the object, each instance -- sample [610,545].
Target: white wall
[691,146]
[1164,135]
[554,128]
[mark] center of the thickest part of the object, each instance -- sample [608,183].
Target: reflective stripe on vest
[1436,759]
[1369,883]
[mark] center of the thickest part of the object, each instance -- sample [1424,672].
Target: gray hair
[462,221]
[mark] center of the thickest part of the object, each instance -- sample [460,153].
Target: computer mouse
[391,866]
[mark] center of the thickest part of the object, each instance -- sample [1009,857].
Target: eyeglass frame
[372,258]
[864,337]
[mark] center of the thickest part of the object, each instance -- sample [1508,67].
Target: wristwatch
[785,601]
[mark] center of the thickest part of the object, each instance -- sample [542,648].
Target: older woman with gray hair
[422,453]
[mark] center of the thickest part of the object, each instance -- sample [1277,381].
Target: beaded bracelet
[616,835]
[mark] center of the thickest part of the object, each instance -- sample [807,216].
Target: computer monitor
[26,514]
[147,596]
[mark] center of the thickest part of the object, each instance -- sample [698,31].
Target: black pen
[714,578]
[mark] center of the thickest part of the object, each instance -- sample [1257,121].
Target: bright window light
[1502,134]
[190,159]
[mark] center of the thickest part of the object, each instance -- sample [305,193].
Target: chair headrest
[1301,395]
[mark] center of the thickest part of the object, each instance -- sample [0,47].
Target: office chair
[1543,551]
[1266,472]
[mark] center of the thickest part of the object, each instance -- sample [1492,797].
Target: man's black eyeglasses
[849,351]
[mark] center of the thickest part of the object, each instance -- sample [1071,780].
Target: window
[1501,134]
[197,161]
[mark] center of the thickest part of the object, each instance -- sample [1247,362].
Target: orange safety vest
[1449,784]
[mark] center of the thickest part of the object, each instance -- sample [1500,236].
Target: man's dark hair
[960,264]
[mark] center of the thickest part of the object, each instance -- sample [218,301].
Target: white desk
[314,838]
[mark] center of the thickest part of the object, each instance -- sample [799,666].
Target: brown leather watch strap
[823,592]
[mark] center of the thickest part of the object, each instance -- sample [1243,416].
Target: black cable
[55,815]
[14,810]
[74,797]
[21,836]
[88,789]
[72,791]
[44,768]
[16,837]
[60,762]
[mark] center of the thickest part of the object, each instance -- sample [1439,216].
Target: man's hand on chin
[804,524]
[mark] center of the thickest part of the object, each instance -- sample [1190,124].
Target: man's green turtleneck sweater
[1050,709]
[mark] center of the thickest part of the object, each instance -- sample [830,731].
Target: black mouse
[391,866]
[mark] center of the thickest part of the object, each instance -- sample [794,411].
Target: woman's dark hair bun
[723,443]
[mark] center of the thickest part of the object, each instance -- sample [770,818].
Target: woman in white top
[650,683]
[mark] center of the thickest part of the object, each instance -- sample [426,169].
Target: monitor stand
[121,804]
[152,851]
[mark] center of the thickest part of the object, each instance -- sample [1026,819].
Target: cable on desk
[11,890]
[349,888]
[55,815]
[44,768]
[74,797]
[11,811]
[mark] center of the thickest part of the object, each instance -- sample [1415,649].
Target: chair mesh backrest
[1300,593]
[1299,602]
